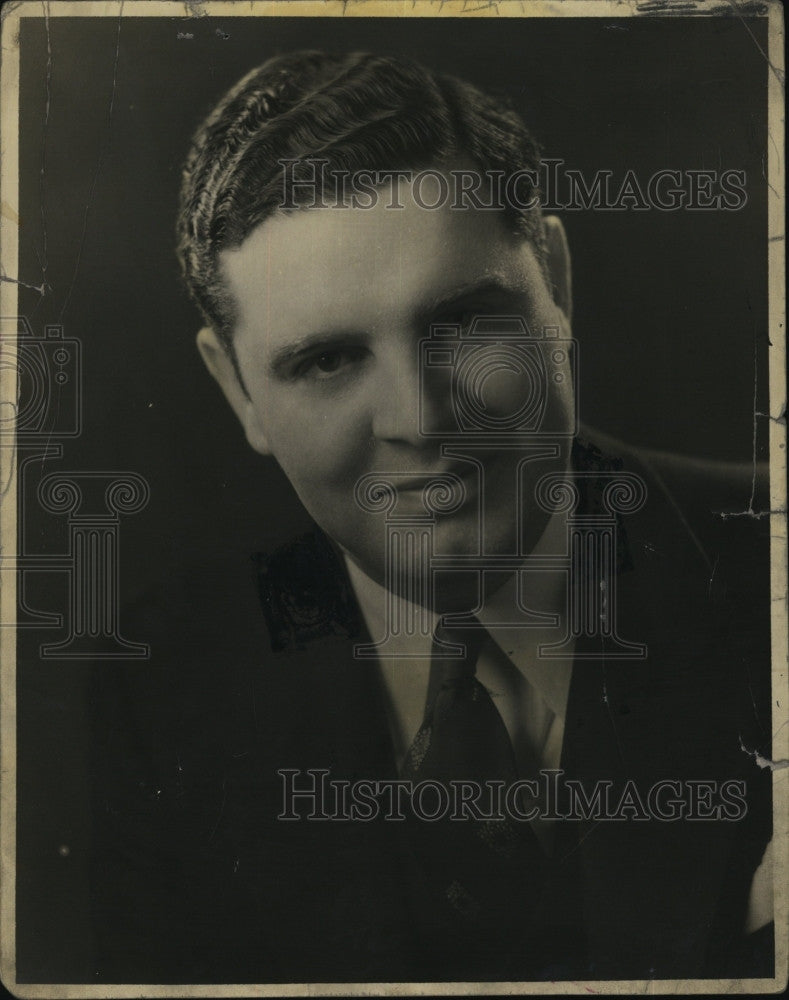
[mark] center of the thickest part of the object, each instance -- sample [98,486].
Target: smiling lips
[418,482]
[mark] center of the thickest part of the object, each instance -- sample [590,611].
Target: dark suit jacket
[195,879]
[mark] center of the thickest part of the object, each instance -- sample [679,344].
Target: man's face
[332,305]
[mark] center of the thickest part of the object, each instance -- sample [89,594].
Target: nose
[412,403]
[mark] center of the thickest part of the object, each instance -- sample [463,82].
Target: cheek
[318,444]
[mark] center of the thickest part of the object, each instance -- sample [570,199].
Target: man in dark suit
[316,303]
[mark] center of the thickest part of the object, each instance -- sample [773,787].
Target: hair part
[356,111]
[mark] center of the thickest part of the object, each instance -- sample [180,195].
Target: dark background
[670,308]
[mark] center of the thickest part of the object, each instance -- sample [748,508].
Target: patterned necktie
[477,879]
[462,735]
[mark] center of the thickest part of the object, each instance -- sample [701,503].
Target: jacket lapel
[640,918]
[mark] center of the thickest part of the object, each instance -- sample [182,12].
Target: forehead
[352,268]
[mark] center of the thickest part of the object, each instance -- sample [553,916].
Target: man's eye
[327,364]
[463,316]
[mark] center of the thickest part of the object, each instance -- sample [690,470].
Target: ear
[558,259]
[219,363]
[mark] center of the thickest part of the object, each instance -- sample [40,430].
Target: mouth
[466,474]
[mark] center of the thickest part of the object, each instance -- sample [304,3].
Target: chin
[460,535]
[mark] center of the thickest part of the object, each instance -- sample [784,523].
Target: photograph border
[9,254]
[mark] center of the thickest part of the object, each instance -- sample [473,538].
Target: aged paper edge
[9,247]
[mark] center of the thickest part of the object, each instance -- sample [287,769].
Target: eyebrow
[491,284]
[283,358]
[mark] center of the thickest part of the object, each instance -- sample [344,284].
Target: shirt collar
[549,677]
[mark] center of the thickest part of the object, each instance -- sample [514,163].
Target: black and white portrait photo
[393,570]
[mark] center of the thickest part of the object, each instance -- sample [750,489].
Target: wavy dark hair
[358,112]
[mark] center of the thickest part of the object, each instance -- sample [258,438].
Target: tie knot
[457,647]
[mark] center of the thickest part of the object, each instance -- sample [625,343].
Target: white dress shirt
[529,692]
